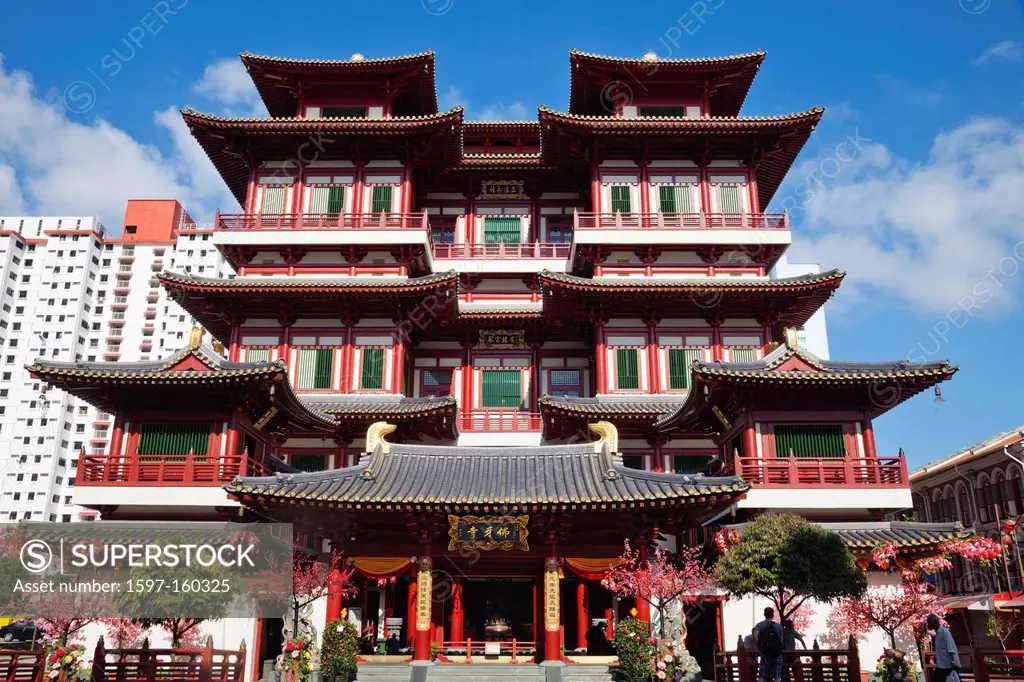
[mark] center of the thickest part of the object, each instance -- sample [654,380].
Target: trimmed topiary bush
[339,651]
[635,648]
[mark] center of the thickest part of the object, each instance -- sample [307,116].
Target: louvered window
[676,199]
[566,382]
[627,370]
[380,199]
[661,110]
[809,440]
[559,234]
[373,368]
[744,354]
[505,230]
[257,355]
[500,388]
[437,382]
[315,366]
[327,199]
[679,361]
[309,462]
[620,199]
[273,199]
[729,200]
[167,438]
[689,464]
[343,112]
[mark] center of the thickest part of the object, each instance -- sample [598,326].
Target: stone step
[485,673]
[587,673]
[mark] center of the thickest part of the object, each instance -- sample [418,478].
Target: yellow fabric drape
[592,569]
[381,566]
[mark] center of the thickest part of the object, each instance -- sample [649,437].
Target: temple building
[475,357]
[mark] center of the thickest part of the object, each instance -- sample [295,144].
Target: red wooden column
[285,347]
[334,595]
[399,359]
[232,444]
[424,587]
[552,611]
[868,434]
[609,617]
[601,358]
[643,609]
[466,402]
[410,614]
[657,444]
[116,436]
[347,353]
[457,614]
[653,376]
[582,615]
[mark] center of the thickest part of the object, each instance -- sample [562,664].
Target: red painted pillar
[716,340]
[346,358]
[424,587]
[234,349]
[868,433]
[595,189]
[232,444]
[552,611]
[653,379]
[582,616]
[399,368]
[601,358]
[334,595]
[467,378]
[285,348]
[609,617]
[116,437]
[536,622]
[410,614]
[645,189]
[457,615]
[643,608]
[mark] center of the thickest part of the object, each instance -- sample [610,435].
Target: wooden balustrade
[515,648]
[837,472]
[982,665]
[181,665]
[801,665]
[320,221]
[183,470]
[500,421]
[681,221]
[18,665]
[502,250]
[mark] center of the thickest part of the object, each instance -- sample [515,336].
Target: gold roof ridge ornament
[792,342]
[375,436]
[608,433]
[195,336]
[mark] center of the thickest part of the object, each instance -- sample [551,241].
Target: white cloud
[928,234]
[71,167]
[1005,51]
[227,83]
[516,111]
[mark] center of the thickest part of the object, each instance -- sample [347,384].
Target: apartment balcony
[152,297]
[117,322]
[111,356]
[150,313]
[126,258]
[824,483]
[330,229]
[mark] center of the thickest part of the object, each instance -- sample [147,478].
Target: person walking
[770,646]
[947,658]
[790,636]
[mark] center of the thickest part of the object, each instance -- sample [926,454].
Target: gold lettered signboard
[504,339]
[502,189]
[488,532]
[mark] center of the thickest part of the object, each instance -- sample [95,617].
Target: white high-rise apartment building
[73,292]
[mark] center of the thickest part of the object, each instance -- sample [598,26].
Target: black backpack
[769,643]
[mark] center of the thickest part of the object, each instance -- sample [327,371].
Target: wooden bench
[168,665]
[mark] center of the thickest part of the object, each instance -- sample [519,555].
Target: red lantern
[1010,525]
[1007,539]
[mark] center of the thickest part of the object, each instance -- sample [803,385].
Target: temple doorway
[498,609]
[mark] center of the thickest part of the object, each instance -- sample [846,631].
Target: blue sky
[925,210]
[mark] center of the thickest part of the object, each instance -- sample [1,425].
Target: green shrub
[339,650]
[635,648]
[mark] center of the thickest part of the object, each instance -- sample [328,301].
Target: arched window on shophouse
[963,502]
[948,505]
[936,505]
[983,496]
[1014,494]
[999,493]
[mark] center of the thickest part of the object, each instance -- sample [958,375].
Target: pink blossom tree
[313,578]
[124,633]
[890,608]
[661,578]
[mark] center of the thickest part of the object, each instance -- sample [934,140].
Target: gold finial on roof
[218,347]
[375,436]
[609,434]
[195,337]
[789,333]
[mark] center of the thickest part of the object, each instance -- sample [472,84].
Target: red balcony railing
[500,421]
[682,221]
[806,472]
[501,250]
[320,221]
[183,470]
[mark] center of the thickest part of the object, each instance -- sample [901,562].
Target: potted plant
[339,651]
[296,660]
[64,663]
[636,649]
[893,666]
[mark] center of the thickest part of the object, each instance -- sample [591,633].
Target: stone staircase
[483,672]
[383,672]
[586,673]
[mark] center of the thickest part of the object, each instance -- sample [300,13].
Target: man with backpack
[769,644]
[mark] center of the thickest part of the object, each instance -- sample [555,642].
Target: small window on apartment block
[372,376]
[502,229]
[679,361]
[627,368]
[809,440]
[500,388]
[314,371]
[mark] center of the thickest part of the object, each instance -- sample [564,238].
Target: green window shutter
[502,229]
[500,388]
[305,377]
[684,198]
[343,112]
[667,196]
[627,368]
[380,199]
[324,365]
[809,440]
[336,199]
[744,355]
[169,438]
[257,355]
[679,361]
[688,464]
[620,199]
[729,199]
[373,368]
[309,462]
[566,382]
[273,199]
[327,199]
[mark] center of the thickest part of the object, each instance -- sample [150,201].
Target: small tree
[661,579]
[1002,626]
[890,608]
[184,632]
[338,654]
[313,578]
[124,633]
[635,648]
[789,560]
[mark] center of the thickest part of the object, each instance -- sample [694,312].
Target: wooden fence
[983,665]
[803,665]
[168,665]
[17,665]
